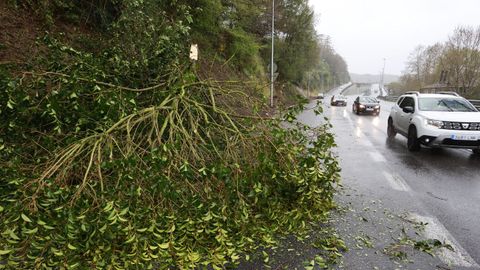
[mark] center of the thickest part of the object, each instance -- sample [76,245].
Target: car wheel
[413,144]
[391,132]
[353,108]
[476,151]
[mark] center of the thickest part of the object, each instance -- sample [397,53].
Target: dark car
[338,100]
[364,104]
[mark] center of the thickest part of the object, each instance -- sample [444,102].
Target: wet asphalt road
[440,187]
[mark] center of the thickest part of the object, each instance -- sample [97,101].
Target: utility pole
[271,60]
[383,74]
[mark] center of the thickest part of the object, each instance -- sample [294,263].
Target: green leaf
[163,246]
[57,252]
[131,239]
[266,258]
[72,247]
[25,218]
[172,229]
[13,235]
[4,252]
[194,257]
[10,104]
[32,231]
[73,266]
[48,227]
[41,222]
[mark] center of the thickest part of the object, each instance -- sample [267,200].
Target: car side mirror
[408,109]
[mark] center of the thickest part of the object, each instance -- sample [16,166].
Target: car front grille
[461,125]
[461,143]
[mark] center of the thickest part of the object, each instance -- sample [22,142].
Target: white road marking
[358,133]
[435,230]
[359,121]
[376,156]
[396,182]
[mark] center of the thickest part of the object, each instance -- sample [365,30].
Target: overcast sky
[366,31]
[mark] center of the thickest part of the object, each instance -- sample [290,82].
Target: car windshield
[341,97]
[368,100]
[445,104]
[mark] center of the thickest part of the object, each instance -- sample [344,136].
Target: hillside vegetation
[118,152]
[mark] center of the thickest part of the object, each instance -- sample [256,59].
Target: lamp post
[383,73]
[271,59]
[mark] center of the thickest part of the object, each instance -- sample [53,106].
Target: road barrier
[475,103]
[388,98]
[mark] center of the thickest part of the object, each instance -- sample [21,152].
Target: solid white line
[396,182]
[435,230]
[345,114]
[376,156]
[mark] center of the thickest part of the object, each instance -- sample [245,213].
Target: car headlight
[377,107]
[435,123]
[362,106]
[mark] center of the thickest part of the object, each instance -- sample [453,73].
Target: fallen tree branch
[50,73]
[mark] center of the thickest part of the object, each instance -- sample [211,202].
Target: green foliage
[219,28]
[243,51]
[207,15]
[297,49]
[167,206]
[123,159]
[97,13]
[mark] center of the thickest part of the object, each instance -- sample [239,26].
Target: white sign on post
[194,52]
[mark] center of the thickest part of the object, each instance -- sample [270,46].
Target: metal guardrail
[475,102]
[388,98]
[344,87]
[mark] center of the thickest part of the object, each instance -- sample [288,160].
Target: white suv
[435,120]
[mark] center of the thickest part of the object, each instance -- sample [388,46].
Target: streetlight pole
[383,73]
[271,59]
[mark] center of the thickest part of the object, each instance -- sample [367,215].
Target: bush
[181,183]
[125,159]
[166,207]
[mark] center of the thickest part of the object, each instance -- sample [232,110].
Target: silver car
[338,100]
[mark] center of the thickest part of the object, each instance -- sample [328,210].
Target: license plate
[465,137]
[369,109]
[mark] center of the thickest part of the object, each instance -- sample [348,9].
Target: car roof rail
[449,93]
[412,93]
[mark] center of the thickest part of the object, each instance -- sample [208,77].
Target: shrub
[125,159]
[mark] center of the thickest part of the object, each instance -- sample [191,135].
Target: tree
[414,65]
[462,59]
[455,63]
